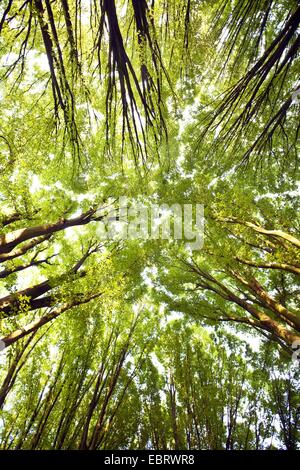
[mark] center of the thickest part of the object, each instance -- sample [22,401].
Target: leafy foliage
[138,344]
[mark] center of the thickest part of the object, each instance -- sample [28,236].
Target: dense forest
[113,342]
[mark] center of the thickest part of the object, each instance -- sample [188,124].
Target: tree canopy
[143,343]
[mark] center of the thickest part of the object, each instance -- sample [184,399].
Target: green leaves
[145,343]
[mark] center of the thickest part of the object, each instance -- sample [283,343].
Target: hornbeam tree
[122,343]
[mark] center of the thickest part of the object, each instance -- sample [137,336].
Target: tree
[120,343]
